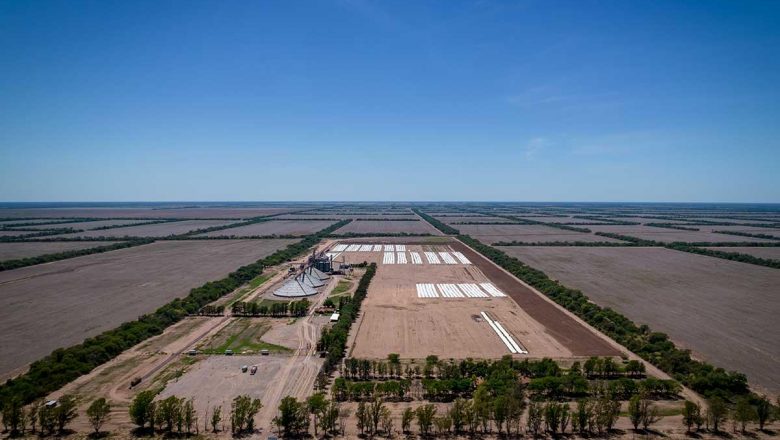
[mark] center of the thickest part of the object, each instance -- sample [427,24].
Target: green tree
[32,415]
[635,411]
[13,415]
[168,412]
[316,405]
[141,408]
[98,412]
[216,418]
[293,417]
[744,413]
[243,410]
[535,418]
[46,419]
[65,411]
[406,420]
[717,412]
[763,411]
[425,415]
[691,414]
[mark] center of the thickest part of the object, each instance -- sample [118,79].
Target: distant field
[725,311]
[155,230]
[274,227]
[527,233]
[13,251]
[59,304]
[87,225]
[472,219]
[237,212]
[772,253]
[393,227]
[669,235]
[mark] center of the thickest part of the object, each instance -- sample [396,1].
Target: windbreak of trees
[334,340]
[66,364]
[699,248]
[652,346]
[446,229]
[276,309]
[565,243]
[748,234]
[671,226]
[48,258]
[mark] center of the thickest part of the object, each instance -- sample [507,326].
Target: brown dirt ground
[526,233]
[480,219]
[724,311]
[155,230]
[88,225]
[11,251]
[274,227]
[394,320]
[374,227]
[59,304]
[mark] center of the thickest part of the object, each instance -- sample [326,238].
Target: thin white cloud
[534,146]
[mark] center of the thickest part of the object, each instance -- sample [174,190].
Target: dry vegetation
[12,251]
[391,227]
[273,227]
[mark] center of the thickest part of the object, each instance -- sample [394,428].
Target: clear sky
[390,100]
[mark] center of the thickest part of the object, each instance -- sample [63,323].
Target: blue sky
[397,100]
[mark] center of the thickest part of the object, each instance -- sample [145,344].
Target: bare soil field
[59,304]
[395,320]
[526,233]
[772,253]
[479,219]
[274,227]
[667,235]
[724,311]
[369,227]
[13,251]
[15,233]
[155,230]
[200,212]
[87,225]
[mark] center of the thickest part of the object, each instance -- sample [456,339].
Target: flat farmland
[87,225]
[59,304]
[527,233]
[667,235]
[12,251]
[273,227]
[724,311]
[773,253]
[391,227]
[186,213]
[154,230]
[473,219]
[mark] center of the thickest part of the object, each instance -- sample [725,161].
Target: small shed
[334,317]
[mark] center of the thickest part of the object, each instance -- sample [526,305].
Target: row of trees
[50,418]
[276,309]
[334,340]
[179,414]
[701,249]
[66,364]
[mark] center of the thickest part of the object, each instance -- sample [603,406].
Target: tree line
[66,364]
[48,258]
[334,340]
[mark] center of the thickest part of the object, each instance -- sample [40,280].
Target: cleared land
[59,304]
[155,230]
[13,251]
[396,320]
[772,253]
[670,235]
[478,219]
[274,227]
[87,225]
[393,227]
[200,212]
[527,233]
[725,311]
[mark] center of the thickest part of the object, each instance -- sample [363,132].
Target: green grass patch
[341,288]
[242,335]
[253,284]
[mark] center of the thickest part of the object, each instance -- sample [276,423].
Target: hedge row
[48,258]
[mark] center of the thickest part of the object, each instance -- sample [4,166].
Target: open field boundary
[48,258]
[66,364]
